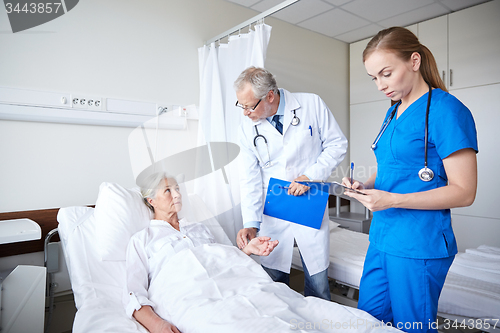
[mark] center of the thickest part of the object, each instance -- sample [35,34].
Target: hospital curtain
[219,117]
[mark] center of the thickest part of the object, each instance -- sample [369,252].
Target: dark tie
[278,124]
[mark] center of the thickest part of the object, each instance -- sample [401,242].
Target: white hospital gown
[149,249]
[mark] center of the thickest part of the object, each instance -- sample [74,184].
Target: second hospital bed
[470,296]
[94,241]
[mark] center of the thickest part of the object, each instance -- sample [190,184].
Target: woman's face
[393,76]
[168,199]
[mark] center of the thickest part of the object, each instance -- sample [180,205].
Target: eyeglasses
[246,107]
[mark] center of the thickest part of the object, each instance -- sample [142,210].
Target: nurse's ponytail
[404,43]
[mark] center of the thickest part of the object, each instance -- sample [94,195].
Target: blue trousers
[402,291]
[314,285]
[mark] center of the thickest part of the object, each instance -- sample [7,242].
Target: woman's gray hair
[261,80]
[150,185]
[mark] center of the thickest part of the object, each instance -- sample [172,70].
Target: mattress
[472,286]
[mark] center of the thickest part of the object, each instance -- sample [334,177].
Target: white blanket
[217,288]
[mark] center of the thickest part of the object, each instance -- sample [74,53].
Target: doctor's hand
[244,235]
[296,188]
[261,246]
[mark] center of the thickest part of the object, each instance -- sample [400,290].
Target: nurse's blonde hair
[403,43]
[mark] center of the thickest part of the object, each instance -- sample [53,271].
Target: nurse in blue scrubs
[412,244]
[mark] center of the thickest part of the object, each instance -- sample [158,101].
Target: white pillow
[119,213]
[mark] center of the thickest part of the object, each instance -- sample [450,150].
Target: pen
[352,173]
[310,128]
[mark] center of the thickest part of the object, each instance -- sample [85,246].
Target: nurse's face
[247,98]
[392,75]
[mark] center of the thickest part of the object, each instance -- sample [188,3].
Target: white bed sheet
[472,287]
[97,287]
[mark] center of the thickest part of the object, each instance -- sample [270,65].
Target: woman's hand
[165,327]
[374,200]
[154,323]
[356,185]
[261,246]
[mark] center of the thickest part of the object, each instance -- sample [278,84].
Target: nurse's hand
[244,235]
[374,200]
[356,185]
[296,188]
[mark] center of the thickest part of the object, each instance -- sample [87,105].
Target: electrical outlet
[95,104]
[87,102]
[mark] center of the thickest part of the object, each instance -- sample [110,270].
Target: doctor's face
[392,75]
[247,98]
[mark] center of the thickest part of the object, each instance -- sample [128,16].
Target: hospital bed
[470,296]
[94,241]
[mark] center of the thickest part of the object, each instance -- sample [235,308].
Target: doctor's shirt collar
[281,107]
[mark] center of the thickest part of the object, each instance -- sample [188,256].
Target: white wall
[137,50]
[308,62]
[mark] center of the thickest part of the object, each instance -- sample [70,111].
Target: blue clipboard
[307,209]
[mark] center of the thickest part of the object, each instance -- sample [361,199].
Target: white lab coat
[295,153]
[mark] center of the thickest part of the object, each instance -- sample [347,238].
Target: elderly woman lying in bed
[178,279]
[150,249]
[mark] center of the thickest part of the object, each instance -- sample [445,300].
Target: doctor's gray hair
[261,79]
[150,185]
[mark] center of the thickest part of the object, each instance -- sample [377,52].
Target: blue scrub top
[412,233]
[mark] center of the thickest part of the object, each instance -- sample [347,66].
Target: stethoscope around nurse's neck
[425,174]
[295,121]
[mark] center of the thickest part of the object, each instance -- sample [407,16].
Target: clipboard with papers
[307,209]
[333,188]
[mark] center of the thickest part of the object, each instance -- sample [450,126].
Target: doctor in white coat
[306,144]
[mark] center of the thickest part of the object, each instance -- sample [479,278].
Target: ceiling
[353,20]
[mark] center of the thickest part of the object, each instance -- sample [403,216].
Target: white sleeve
[137,269]
[333,142]
[250,180]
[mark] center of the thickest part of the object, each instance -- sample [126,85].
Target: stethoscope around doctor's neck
[425,173]
[295,121]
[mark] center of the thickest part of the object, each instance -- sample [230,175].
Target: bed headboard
[46,218]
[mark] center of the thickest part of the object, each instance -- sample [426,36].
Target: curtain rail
[254,19]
